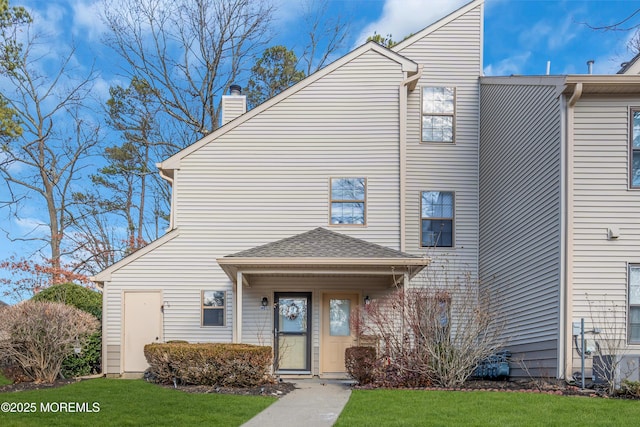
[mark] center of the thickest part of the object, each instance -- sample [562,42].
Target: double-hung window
[213,308]
[634,304]
[348,201]
[438,113]
[634,149]
[436,228]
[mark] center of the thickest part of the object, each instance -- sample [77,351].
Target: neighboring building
[369,171]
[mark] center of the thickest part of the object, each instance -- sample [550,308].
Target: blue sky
[520,37]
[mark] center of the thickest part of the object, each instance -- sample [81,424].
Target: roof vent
[235,90]
[590,65]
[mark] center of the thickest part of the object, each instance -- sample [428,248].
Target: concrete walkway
[314,403]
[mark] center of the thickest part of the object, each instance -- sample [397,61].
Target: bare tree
[189,51]
[626,24]
[326,34]
[45,162]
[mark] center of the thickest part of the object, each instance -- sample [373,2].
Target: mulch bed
[279,389]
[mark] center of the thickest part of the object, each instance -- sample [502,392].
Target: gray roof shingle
[321,243]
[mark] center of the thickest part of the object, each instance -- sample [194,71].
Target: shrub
[88,361]
[224,365]
[75,295]
[38,336]
[361,363]
[434,333]
[630,388]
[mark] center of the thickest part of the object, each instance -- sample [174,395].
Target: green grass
[477,408]
[132,403]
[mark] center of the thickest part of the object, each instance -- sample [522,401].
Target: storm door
[292,330]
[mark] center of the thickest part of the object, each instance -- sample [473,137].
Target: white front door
[142,324]
[337,334]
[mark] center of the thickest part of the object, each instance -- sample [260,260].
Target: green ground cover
[126,403]
[479,408]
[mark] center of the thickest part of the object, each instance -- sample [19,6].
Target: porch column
[238,309]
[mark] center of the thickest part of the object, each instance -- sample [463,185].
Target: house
[367,173]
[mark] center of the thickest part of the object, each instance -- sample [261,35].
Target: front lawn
[480,408]
[126,402]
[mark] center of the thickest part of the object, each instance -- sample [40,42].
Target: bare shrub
[434,333]
[38,336]
[608,332]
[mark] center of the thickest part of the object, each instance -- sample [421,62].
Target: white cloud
[403,17]
[508,66]
[86,20]
[32,227]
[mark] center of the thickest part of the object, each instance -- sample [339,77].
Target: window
[348,200]
[634,304]
[213,308]
[436,209]
[634,162]
[438,109]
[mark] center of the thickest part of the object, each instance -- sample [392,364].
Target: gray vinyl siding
[520,215]
[601,199]
[451,56]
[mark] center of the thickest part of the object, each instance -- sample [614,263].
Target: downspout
[568,274]
[404,87]
[170,181]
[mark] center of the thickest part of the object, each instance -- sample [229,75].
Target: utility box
[602,369]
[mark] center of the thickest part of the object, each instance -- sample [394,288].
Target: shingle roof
[321,243]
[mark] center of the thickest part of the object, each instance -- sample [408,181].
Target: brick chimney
[233,105]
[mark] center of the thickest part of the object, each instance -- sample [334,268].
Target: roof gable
[407,65]
[321,243]
[438,24]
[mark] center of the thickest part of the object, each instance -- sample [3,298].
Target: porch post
[238,309]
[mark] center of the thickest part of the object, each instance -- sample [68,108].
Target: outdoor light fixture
[367,301]
[265,301]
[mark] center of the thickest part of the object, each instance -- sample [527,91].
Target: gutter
[408,83]
[567,290]
[171,209]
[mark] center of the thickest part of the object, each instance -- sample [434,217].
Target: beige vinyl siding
[258,324]
[601,199]
[268,179]
[520,214]
[451,56]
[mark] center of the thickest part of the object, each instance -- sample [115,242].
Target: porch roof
[322,251]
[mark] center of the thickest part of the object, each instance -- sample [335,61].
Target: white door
[142,325]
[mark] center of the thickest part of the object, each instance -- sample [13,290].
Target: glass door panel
[292,325]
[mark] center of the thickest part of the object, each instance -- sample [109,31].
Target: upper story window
[634,163]
[348,201]
[436,228]
[438,111]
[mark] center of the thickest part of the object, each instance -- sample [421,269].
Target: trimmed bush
[222,365]
[75,295]
[361,363]
[89,360]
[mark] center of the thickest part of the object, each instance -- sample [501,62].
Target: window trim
[629,305]
[452,115]
[631,150]
[453,219]
[364,201]
[203,308]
